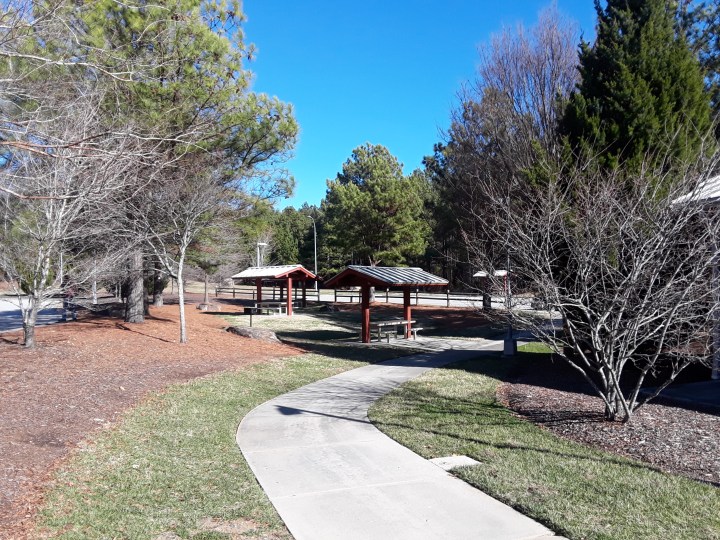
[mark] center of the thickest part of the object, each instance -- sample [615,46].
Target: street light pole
[510,344]
[259,261]
[315,245]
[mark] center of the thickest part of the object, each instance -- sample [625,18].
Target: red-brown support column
[258,284]
[365,308]
[289,296]
[407,311]
[304,293]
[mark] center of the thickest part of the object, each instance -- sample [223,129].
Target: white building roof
[707,191]
[272,272]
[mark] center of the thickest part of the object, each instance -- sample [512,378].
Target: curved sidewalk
[332,475]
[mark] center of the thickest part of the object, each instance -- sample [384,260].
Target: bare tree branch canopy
[627,271]
[125,124]
[506,121]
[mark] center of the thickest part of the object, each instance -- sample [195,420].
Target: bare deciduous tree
[180,210]
[62,217]
[506,120]
[627,266]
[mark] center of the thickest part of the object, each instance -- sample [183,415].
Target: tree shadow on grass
[467,420]
[348,348]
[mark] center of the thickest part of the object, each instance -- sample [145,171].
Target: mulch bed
[83,375]
[673,439]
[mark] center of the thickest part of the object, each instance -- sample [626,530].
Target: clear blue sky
[380,71]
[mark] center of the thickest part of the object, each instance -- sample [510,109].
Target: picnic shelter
[284,275]
[402,278]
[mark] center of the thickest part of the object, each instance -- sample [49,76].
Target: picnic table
[271,306]
[395,327]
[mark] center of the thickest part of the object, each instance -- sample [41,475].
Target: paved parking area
[11,317]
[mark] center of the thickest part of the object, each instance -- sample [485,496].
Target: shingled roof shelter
[385,277]
[285,274]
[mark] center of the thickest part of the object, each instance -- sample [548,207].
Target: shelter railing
[268,293]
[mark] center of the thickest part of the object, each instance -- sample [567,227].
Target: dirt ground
[83,375]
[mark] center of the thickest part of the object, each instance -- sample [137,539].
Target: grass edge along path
[574,490]
[171,466]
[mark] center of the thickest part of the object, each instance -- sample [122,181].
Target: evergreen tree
[192,95]
[641,91]
[702,24]
[292,236]
[374,213]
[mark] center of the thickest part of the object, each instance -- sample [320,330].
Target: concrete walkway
[331,474]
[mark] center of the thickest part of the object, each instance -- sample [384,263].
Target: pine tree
[702,26]
[374,213]
[641,91]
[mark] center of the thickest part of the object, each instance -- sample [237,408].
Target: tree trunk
[158,300]
[206,300]
[181,299]
[29,320]
[135,305]
[614,406]
[158,286]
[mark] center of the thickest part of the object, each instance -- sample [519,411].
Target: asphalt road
[11,318]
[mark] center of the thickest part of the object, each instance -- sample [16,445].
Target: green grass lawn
[576,491]
[335,334]
[172,465]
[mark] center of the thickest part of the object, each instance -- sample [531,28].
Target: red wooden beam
[365,307]
[289,296]
[407,310]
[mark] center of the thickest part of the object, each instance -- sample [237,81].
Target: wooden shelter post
[258,286]
[407,310]
[289,296]
[365,308]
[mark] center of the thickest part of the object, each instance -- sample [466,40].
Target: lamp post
[259,260]
[509,344]
[315,246]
